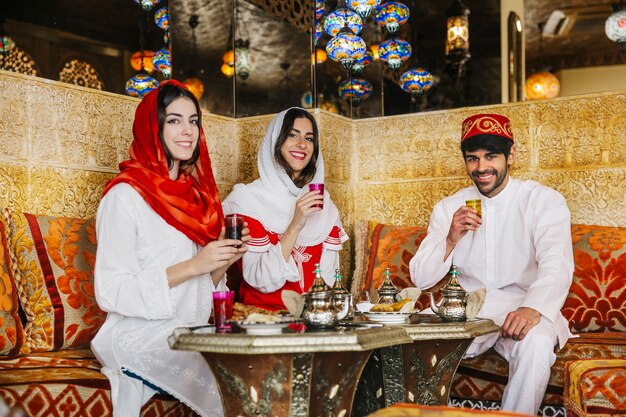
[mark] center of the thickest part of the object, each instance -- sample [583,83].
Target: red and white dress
[267,274]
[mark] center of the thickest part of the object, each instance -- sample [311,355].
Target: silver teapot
[453,305]
[387,292]
[321,311]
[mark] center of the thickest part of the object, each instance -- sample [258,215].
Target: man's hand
[464,220]
[519,322]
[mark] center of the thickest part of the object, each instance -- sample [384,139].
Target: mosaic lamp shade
[229,57]
[319,10]
[147,5]
[615,27]
[319,56]
[162,18]
[137,61]
[340,18]
[457,33]
[244,60]
[319,31]
[416,81]
[6,45]
[394,51]
[227,70]
[141,84]
[541,85]
[363,7]
[195,85]
[346,48]
[355,89]
[166,36]
[374,49]
[162,62]
[391,15]
[360,64]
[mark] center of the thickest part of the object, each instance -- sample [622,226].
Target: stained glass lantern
[355,89]
[227,70]
[360,64]
[319,56]
[195,85]
[162,62]
[346,48]
[244,61]
[340,18]
[166,36]
[6,45]
[416,81]
[391,15]
[162,18]
[457,34]
[319,31]
[137,62]
[615,27]
[141,84]
[229,57]
[319,10]
[394,51]
[541,85]
[306,100]
[363,7]
[147,5]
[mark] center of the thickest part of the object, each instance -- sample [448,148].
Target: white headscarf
[272,198]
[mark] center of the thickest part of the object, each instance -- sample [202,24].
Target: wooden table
[421,372]
[316,373]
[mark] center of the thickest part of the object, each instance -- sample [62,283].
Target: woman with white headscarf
[289,233]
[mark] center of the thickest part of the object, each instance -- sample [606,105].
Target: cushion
[416,410]
[11,330]
[69,383]
[55,257]
[595,387]
[597,297]
[380,246]
[484,377]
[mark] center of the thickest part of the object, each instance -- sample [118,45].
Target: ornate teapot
[453,305]
[387,292]
[321,310]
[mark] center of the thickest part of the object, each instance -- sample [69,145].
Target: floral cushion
[595,387]
[597,296]
[55,257]
[380,246]
[11,330]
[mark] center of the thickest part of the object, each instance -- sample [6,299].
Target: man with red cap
[519,249]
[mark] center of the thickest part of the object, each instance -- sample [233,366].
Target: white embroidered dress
[135,247]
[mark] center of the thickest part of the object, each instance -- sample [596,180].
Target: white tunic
[522,252]
[135,247]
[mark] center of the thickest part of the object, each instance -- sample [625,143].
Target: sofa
[594,308]
[48,316]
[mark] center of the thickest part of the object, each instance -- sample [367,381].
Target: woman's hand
[306,205]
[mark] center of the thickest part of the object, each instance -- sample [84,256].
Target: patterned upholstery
[55,258]
[38,384]
[594,305]
[595,387]
[11,330]
[413,410]
[597,297]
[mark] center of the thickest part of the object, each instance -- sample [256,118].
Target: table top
[350,337]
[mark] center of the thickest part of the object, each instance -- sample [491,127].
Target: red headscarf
[190,205]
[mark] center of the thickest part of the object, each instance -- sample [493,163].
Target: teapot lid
[338,288]
[387,287]
[453,282]
[319,285]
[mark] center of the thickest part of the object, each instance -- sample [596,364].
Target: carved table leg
[295,385]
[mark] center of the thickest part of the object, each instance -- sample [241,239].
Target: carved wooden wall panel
[297,12]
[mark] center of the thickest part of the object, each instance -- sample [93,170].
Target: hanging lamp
[346,48]
[615,26]
[394,51]
[363,7]
[391,15]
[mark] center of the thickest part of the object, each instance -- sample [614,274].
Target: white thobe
[522,255]
[135,247]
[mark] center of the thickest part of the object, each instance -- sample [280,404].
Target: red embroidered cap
[487,124]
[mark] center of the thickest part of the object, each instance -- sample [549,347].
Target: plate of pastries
[259,321]
[393,313]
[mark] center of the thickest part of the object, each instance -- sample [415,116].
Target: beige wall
[60,143]
[589,80]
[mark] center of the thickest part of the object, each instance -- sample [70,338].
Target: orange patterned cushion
[597,295]
[416,410]
[55,257]
[596,387]
[11,330]
[379,246]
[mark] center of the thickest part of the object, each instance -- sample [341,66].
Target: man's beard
[500,177]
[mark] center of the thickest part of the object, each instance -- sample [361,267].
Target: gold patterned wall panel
[14,122]
[220,133]
[250,132]
[13,186]
[336,144]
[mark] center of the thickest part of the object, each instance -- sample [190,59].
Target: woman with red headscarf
[161,253]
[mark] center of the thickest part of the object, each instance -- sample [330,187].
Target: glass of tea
[223,309]
[234,226]
[476,205]
[320,188]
